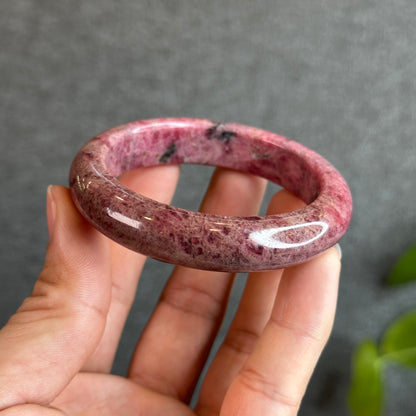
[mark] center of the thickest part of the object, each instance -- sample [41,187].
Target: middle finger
[175,344]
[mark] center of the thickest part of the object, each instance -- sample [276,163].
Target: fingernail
[339,250]
[50,209]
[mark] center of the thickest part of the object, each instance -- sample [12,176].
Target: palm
[102,394]
[68,331]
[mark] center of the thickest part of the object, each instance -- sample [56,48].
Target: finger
[274,378]
[54,331]
[31,410]
[248,324]
[159,183]
[95,394]
[174,346]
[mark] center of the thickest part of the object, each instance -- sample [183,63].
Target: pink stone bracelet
[203,241]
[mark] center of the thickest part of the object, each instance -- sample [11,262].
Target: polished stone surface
[211,242]
[336,76]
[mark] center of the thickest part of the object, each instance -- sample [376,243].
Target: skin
[56,352]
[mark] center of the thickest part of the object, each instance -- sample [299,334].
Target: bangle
[203,241]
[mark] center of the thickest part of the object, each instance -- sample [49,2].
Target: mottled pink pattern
[206,241]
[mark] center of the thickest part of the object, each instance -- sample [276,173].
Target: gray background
[337,76]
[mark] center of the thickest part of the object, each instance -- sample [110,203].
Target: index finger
[156,182]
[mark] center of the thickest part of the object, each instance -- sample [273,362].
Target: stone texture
[205,241]
[336,76]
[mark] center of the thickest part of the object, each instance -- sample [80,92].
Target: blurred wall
[337,76]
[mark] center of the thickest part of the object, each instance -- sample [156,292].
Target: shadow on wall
[328,387]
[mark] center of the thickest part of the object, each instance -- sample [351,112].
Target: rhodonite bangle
[212,242]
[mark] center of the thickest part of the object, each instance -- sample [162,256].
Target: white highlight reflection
[123,218]
[268,237]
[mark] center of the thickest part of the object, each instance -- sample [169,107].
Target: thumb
[48,339]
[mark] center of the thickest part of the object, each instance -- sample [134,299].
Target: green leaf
[404,270]
[399,340]
[365,397]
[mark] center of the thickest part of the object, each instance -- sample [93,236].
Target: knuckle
[193,301]
[270,390]
[241,340]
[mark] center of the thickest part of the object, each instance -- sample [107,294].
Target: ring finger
[248,324]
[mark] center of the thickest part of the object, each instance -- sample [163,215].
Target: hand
[56,352]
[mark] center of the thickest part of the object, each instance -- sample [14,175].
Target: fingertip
[284,201]
[338,251]
[156,182]
[74,244]
[50,209]
[61,211]
[233,193]
[333,256]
